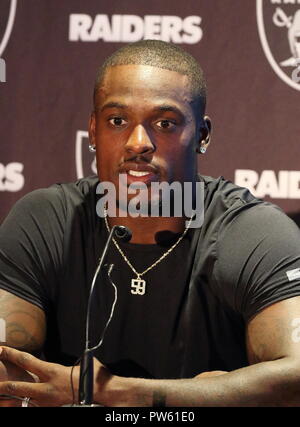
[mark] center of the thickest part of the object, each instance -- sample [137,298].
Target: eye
[166,124]
[117,121]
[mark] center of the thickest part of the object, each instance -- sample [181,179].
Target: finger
[24,360]
[11,372]
[40,394]
[36,391]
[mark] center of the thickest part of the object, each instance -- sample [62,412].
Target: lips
[139,172]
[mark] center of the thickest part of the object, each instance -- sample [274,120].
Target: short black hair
[159,54]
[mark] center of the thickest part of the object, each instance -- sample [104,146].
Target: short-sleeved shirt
[198,300]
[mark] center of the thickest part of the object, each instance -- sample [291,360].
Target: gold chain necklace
[138,285]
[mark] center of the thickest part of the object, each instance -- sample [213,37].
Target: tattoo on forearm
[159,398]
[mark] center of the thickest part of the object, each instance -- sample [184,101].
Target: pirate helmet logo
[279,31]
[7,19]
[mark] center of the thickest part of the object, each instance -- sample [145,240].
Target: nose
[139,141]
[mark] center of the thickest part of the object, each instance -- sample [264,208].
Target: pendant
[138,286]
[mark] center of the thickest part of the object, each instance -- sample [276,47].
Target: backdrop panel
[249,50]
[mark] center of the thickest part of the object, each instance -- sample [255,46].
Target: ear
[92,131]
[204,135]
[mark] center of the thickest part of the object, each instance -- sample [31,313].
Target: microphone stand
[86,377]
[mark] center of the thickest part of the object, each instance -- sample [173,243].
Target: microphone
[123,233]
[86,377]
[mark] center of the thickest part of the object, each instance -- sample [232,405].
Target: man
[216,321]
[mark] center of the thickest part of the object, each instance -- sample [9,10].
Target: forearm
[274,383]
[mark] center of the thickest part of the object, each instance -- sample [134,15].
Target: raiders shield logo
[85,161]
[7,19]
[279,30]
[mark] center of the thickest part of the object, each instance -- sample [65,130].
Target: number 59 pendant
[138,286]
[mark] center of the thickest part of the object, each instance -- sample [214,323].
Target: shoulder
[254,244]
[80,189]
[58,197]
[51,208]
[239,217]
[223,203]
[229,207]
[225,194]
[75,191]
[261,231]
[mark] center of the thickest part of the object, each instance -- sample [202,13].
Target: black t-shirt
[198,299]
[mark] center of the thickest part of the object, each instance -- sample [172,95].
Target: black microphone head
[123,233]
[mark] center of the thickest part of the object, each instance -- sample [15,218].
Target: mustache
[137,158]
[140,159]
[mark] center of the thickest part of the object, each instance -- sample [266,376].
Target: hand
[9,371]
[54,386]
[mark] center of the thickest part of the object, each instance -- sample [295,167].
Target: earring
[92,148]
[202,150]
